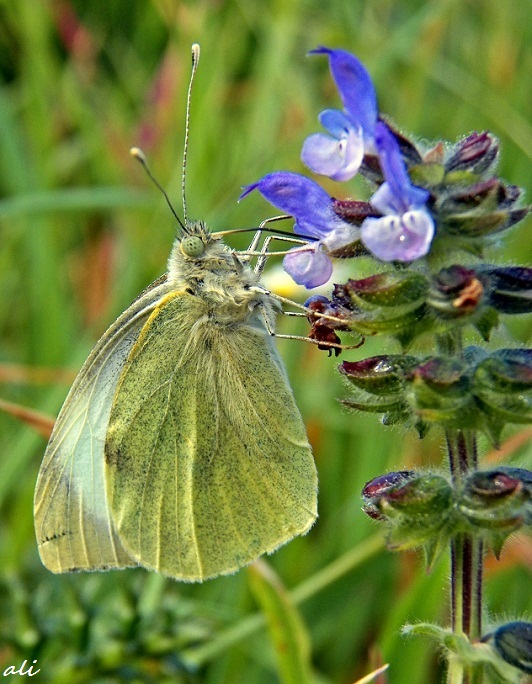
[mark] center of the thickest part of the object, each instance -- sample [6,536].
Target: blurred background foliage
[82,231]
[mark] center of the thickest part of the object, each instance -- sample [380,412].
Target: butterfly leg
[284,300]
[256,238]
[264,254]
[322,343]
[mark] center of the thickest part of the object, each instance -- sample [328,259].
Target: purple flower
[340,154]
[406,230]
[312,208]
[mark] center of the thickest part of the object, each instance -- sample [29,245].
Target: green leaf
[74,199]
[285,625]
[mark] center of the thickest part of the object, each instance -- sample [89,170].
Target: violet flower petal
[336,122]
[343,234]
[399,238]
[355,87]
[337,159]
[402,194]
[338,155]
[300,197]
[385,200]
[308,266]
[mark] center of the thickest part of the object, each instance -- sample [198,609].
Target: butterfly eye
[192,246]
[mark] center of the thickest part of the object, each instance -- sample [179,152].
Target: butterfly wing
[73,522]
[207,457]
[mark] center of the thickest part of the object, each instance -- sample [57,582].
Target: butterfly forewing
[73,521]
[207,461]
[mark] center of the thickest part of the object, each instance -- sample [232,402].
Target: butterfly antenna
[195,60]
[141,157]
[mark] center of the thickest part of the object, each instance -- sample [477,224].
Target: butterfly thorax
[204,266]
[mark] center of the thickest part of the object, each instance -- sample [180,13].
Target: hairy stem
[466,560]
[466,551]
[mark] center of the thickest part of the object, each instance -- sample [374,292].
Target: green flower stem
[466,563]
[466,551]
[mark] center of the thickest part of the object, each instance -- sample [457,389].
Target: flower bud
[497,498]
[425,495]
[379,382]
[397,291]
[478,209]
[471,203]
[440,392]
[502,385]
[455,292]
[381,375]
[378,487]
[522,474]
[387,303]
[513,642]
[508,289]
[475,153]
[482,391]
[498,502]
[471,199]
[417,509]
[472,225]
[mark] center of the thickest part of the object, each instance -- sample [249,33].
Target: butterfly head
[196,252]
[195,240]
[196,243]
[202,264]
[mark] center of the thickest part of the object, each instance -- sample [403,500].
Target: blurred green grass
[82,232]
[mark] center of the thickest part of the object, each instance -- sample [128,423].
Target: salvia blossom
[406,229]
[312,209]
[397,226]
[339,155]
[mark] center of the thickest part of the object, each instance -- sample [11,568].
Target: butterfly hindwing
[207,461]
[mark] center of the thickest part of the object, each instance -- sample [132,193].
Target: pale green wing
[207,457]
[73,523]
